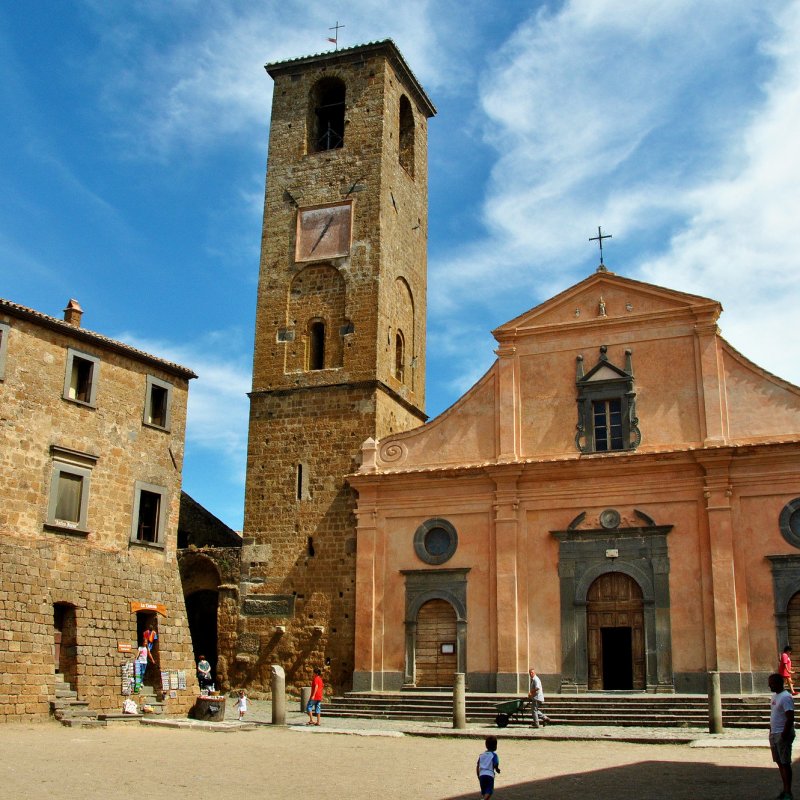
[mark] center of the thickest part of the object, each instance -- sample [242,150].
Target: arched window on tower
[406,136]
[316,345]
[326,118]
[399,356]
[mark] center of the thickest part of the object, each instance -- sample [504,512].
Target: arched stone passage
[200,579]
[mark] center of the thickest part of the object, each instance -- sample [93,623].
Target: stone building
[616,502]
[92,434]
[339,345]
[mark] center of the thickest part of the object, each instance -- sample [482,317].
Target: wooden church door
[615,633]
[435,650]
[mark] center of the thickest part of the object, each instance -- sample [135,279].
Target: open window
[399,356]
[80,381]
[607,420]
[68,504]
[149,514]
[326,123]
[406,136]
[158,402]
[316,345]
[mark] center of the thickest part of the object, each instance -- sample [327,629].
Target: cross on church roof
[599,239]
[335,39]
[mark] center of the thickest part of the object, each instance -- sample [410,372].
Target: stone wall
[95,567]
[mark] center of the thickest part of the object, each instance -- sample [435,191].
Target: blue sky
[134,149]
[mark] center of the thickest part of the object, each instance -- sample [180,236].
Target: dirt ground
[151,763]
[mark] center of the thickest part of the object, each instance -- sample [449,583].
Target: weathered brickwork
[89,566]
[307,424]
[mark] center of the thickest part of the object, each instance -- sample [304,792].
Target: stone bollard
[305,696]
[459,702]
[278,695]
[714,703]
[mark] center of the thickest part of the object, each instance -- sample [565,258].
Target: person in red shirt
[785,668]
[314,706]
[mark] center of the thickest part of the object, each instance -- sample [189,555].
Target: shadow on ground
[647,780]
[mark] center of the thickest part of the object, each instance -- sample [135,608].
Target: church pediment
[605,295]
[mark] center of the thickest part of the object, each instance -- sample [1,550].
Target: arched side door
[436,644]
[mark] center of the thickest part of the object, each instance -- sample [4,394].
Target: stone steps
[68,709]
[640,710]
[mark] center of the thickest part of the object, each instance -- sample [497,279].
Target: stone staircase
[68,710]
[145,696]
[599,708]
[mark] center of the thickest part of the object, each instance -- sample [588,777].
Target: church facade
[616,502]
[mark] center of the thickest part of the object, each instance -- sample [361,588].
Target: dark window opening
[316,345]
[328,99]
[299,481]
[149,511]
[399,357]
[607,418]
[158,406]
[406,137]
[80,385]
[311,546]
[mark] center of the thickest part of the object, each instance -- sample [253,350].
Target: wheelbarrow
[511,709]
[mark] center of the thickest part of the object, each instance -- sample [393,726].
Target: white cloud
[218,407]
[647,118]
[205,82]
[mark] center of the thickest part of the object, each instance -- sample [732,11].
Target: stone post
[714,703]
[459,702]
[278,695]
[305,696]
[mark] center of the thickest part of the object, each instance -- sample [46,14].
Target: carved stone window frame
[591,390]
[788,512]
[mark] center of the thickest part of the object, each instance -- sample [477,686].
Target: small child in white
[241,704]
[488,764]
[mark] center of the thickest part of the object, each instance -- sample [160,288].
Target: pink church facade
[615,502]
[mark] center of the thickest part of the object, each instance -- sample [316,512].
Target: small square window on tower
[158,401]
[149,514]
[80,381]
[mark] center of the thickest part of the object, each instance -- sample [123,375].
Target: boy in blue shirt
[488,764]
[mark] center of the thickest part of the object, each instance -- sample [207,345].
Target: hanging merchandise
[181,678]
[173,679]
[126,672]
[165,681]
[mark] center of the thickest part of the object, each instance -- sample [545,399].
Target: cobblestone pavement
[377,760]
[261,712]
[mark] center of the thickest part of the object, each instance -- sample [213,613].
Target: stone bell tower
[339,344]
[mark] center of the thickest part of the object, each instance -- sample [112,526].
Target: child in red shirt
[314,706]
[785,668]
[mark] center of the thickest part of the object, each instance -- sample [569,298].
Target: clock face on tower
[324,232]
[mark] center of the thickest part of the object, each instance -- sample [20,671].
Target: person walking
[314,707]
[536,696]
[488,764]
[785,668]
[241,704]
[781,732]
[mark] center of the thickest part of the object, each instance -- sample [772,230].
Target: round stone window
[789,522]
[435,541]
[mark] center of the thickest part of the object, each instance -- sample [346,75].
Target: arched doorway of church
[435,647]
[793,622]
[615,633]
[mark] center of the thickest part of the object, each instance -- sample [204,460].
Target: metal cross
[335,39]
[599,239]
